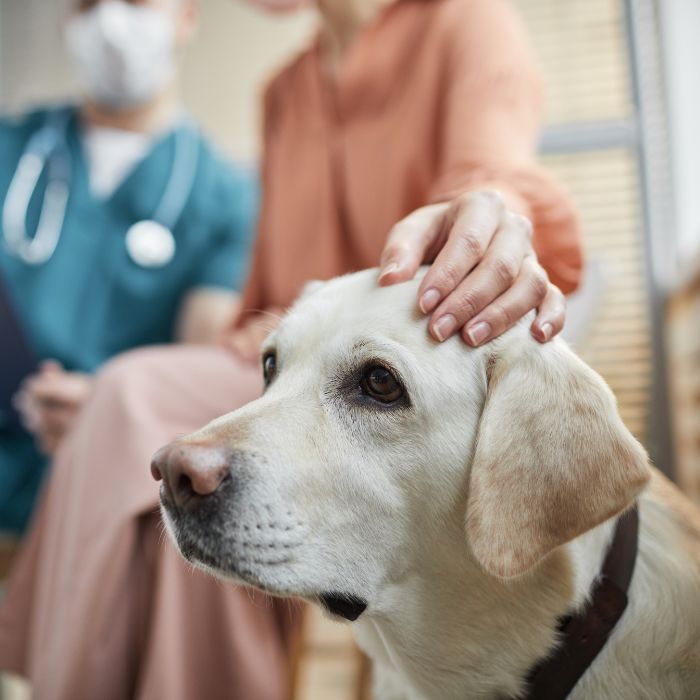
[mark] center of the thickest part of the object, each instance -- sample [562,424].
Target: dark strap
[585,634]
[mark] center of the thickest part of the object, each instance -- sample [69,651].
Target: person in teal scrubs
[154,234]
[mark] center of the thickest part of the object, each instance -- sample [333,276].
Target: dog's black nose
[190,471]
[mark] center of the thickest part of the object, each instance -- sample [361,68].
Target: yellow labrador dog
[458,505]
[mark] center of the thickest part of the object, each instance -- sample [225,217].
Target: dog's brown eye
[379,383]
[269,367]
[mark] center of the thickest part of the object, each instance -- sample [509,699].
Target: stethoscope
[149,243]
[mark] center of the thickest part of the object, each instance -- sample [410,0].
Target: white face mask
[124,54]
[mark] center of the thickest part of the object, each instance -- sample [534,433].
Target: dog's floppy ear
[552,459]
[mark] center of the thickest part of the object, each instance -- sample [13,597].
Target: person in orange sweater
[421,112]
[431,101]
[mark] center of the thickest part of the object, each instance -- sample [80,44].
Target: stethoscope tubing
[48,148]
[181,180]
[47,142]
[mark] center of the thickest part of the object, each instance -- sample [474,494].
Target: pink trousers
[100,606]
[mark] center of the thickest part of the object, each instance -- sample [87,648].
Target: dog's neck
[449,630]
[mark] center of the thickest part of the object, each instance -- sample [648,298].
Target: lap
[93,564]
[206,379]
[142,400]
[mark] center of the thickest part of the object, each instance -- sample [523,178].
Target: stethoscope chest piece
[150,244]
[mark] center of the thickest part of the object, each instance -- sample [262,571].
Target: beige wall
[236,50]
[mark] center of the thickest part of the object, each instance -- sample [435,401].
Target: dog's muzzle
[191,473]
[216,523]
[199,488]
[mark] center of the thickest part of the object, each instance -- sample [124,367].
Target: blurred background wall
[237,49]
[621,134]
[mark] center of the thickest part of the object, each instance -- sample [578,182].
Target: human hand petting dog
[49,401]
[484,275]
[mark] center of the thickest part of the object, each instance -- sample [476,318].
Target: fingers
[48,444]
[246,341]
[551,315]
[240,344]
[51,425]
[49,401]
[59,387]
[526,293]
[27,409]
[495,274]
[49,440]
[56,419]
[50,366]
[476,219]
[409,242]
[484,275]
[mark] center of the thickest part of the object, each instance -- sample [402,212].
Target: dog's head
[372,445]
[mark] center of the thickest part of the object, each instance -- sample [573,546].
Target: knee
[126,381]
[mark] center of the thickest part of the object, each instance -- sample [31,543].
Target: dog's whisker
[277,317]
[267,327]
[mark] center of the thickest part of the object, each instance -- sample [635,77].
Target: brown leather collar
[584,634]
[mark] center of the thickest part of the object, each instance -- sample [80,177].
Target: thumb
[50,366]
[408,243]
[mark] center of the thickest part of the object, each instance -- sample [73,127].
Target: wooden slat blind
[583,55]
[605,187]
[582,50]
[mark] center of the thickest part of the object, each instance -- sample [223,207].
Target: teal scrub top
[90,300]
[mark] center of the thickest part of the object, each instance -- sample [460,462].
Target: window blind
[605,187]
[582,50]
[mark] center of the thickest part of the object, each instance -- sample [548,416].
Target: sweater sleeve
[491,113]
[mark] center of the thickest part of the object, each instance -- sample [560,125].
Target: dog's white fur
[469,521]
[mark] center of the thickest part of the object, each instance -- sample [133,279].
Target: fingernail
[429,300]
[478,333]
[389,269]
[444,327]
[546,331]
